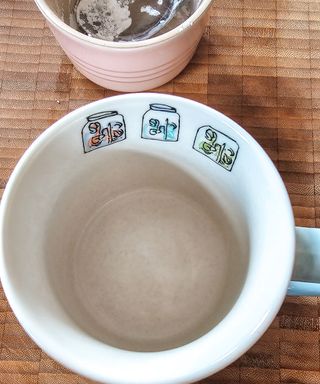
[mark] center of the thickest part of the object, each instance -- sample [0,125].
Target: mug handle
[306,272]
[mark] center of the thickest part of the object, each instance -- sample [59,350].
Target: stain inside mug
[110,19]
[143,258]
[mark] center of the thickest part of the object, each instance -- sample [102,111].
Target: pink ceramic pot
[128,66]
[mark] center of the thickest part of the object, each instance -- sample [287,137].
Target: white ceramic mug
[127,66]
[137,231]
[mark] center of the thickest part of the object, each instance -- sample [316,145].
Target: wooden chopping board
[259,63]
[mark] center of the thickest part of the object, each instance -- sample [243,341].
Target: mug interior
[64,10]
[145,245]
[134,249]
[58,13]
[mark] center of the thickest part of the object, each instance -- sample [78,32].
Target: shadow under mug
[136,232]
[127,66]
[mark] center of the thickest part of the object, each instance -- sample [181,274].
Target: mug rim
[62,26]
[154,361]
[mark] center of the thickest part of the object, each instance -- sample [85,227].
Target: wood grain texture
[259,63]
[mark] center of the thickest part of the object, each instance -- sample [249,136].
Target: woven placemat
[259,63]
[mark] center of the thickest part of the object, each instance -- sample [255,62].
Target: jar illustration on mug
[217,146]
[103,129]
[161,122]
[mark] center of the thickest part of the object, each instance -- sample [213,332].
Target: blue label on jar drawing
[103,129]
[219,147]
[161,122]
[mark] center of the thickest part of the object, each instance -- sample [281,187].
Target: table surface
[259,63]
